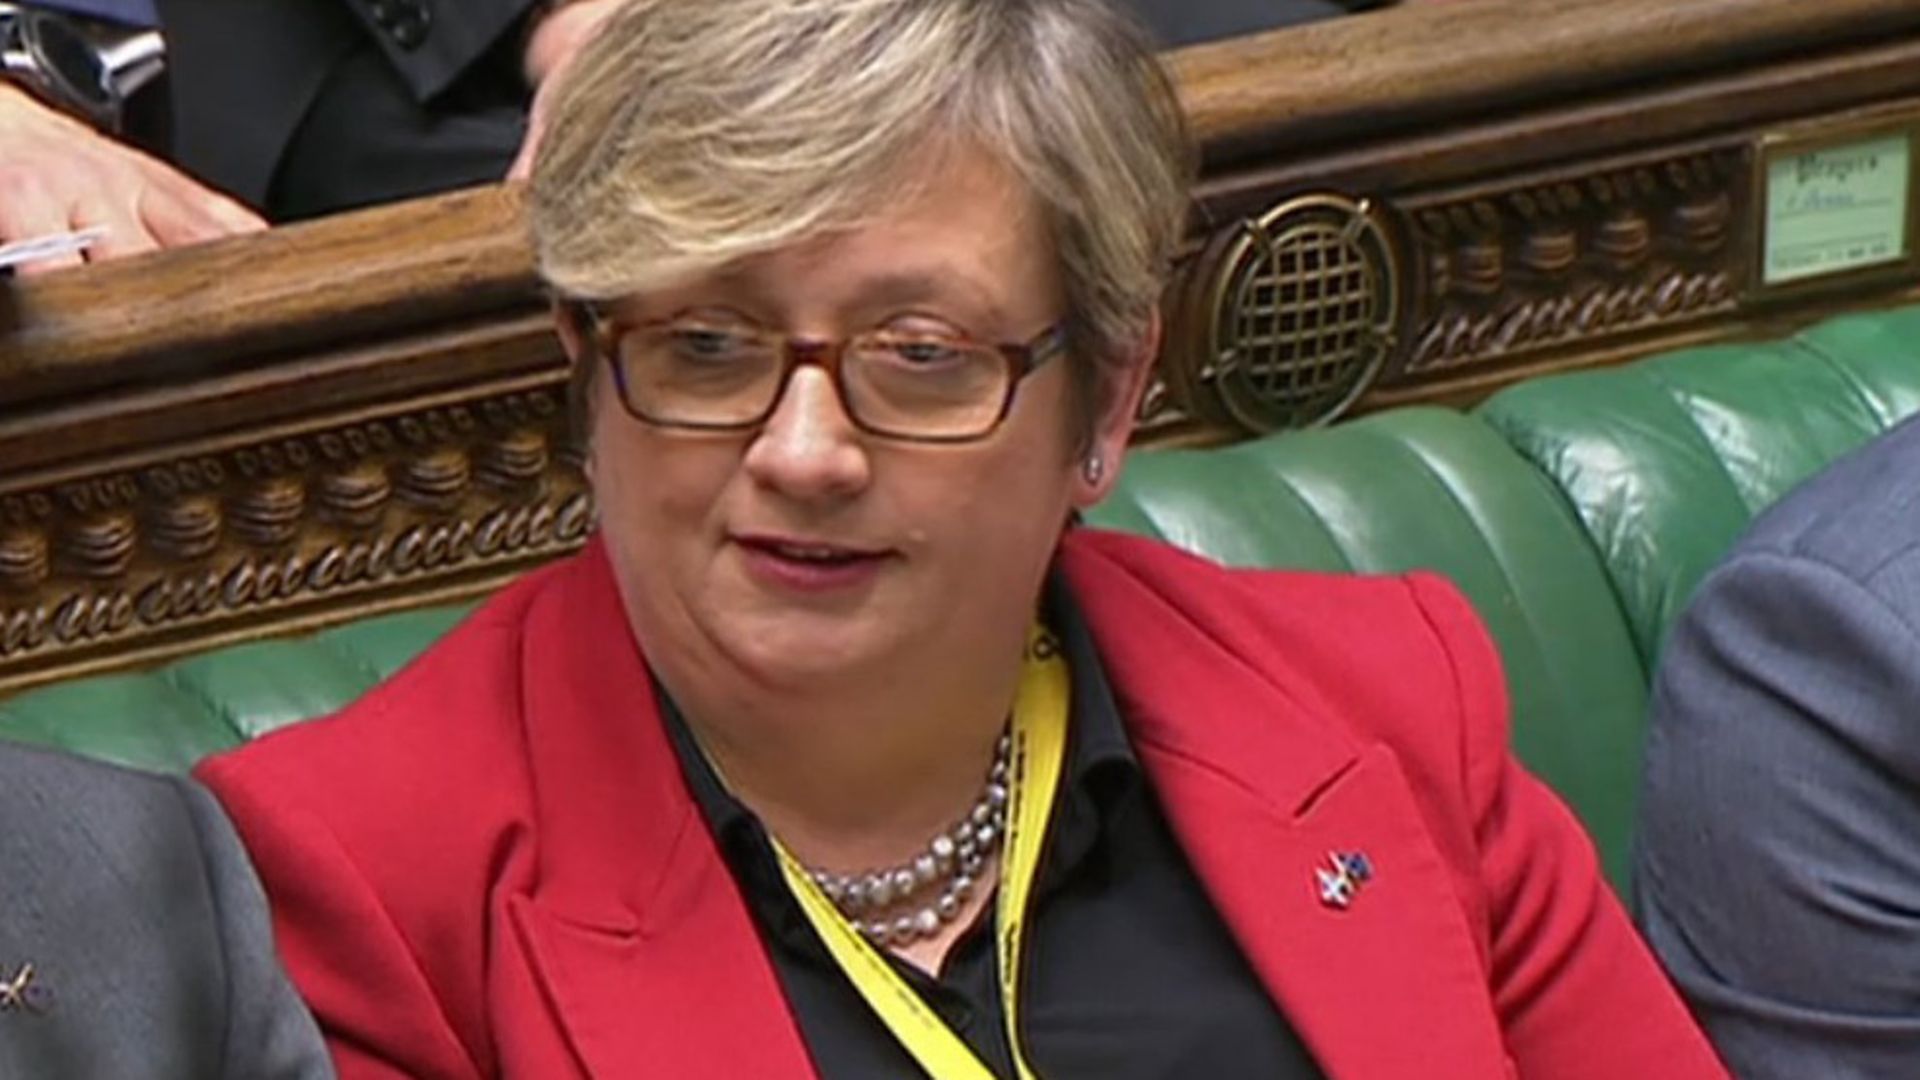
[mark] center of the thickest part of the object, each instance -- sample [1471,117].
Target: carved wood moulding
[1574,261]
[1567,261]
[1594,253]
[237,538]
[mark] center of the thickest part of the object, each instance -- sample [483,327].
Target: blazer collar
[635,915]
[1263,784]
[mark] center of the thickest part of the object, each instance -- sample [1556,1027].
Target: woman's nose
[809,448]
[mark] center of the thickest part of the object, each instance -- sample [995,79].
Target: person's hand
[550,48]
[59,175]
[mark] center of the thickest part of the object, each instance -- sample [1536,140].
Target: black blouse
[1130,971]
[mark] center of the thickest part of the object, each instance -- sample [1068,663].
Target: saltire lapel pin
[19,993]
[1341,879]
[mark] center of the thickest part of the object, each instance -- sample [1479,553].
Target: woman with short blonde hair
[840,750]
[673,155]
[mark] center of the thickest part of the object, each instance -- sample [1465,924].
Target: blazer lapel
[683,992]
[635,930]
[1263,788]
[652,964]
[1387,987]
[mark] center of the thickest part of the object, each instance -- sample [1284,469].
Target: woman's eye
[704,344]
[924,352]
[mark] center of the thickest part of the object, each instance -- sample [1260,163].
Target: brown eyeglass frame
[601,332]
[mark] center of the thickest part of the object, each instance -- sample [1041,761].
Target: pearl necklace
[882,903]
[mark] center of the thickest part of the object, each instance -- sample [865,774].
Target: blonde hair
[692,133]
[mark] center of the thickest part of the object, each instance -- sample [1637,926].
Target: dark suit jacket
[147,934]
[304,107]
[491,865]
[1189,22]
[1778,865]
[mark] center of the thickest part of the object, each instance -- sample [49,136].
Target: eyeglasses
[918,387]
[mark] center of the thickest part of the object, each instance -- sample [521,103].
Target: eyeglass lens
[910,385]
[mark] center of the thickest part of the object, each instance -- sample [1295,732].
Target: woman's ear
[567,322]
[1099,468]
[570,322]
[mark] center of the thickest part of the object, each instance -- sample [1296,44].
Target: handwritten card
[1837,209]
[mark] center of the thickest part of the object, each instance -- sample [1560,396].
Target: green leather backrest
[170,717]
[1667,460]
[1577,512]
[1432,489]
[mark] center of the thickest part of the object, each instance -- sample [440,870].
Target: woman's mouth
[809,565]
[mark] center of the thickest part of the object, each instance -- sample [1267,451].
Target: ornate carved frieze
[309,526]
[1575,259]
[1290,317]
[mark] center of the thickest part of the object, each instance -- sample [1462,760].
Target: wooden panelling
[368,412]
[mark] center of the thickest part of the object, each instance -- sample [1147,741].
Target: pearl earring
[1094,468]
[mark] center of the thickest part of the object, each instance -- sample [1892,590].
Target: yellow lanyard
[1039,734]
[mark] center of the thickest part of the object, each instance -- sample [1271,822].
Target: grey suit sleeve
[270,1035]
[1778,867]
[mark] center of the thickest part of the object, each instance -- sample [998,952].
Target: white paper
[51,246]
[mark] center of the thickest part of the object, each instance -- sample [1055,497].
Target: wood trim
[249,301]
[1382,73]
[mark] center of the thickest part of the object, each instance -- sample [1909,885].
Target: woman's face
[807,549]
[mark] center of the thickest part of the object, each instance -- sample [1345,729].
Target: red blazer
[490,865]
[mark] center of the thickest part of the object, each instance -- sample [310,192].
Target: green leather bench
[1576,511]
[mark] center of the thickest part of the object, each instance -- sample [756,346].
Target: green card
[1837,209]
